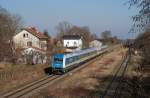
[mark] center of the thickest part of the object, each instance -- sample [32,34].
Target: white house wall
[96,43]
[44,43]
[21,41]
[70,43]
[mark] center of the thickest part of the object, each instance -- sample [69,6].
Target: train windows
[82,56]
[76,57]
[68,60]
[71,59]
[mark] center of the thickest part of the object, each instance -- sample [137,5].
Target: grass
[142,78]
[15,76]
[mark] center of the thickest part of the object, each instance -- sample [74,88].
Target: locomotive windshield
[58,59]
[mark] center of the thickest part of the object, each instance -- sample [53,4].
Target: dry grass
[14,76]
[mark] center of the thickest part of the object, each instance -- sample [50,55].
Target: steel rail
[26,86]
[22,91]
[118,91]
[121,85]
[114,78]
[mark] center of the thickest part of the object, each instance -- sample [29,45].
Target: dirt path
[88,81]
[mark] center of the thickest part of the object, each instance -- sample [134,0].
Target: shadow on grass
[127,88]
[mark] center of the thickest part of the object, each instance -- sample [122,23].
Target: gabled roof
[71,37]
[36,33]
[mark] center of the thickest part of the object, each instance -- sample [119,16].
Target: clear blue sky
[98,15]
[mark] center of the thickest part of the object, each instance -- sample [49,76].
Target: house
[96,43]
[32,46]
[72,42]
[30,37]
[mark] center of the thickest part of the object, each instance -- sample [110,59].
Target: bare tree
[108,38]
[94,36]
[84,32]
[9,25]
[46,33]
[142,19]
[50,46]
[106,34]
[142,43]
[63,28]
[48,40]
[142,22]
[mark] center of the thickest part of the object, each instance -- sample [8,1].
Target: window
[29,43]
[75,43]
[68,60]
[67,44]
[24,35]
[71,59]
[43,45]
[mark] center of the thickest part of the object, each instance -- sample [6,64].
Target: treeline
[108,38]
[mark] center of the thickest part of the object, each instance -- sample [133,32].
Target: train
[63,63]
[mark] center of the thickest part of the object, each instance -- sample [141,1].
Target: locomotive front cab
[57,63]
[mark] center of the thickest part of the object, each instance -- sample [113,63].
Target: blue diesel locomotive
[64,62]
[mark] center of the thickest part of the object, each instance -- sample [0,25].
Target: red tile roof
[36,33]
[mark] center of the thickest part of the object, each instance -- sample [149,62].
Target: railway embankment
[16,76]
[131,83]
[88,81]
[138,81]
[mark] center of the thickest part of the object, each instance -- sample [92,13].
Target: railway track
[21,92]
[36,86]
[113,90]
